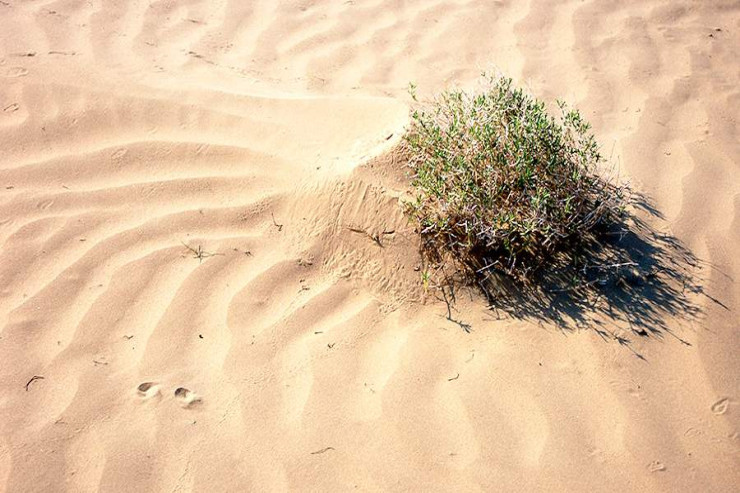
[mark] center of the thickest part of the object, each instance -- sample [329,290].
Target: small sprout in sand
[425,279]
[199,253]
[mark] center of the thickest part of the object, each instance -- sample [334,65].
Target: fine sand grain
[207,283]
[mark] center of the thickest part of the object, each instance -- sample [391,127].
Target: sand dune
[205,262]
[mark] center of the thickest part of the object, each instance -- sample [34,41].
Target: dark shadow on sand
[633,278]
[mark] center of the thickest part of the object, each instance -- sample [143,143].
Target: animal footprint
[186,397]
[720,407]
[147,390]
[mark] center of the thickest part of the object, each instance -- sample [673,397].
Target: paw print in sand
[148,390]
[187,398]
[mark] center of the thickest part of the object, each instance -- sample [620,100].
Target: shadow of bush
[633,277]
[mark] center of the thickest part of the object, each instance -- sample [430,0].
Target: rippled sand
[189,193]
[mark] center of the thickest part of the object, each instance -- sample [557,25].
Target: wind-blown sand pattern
[189,193]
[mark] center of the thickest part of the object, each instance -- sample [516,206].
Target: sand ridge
[205,258]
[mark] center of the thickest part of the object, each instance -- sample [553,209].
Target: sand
[189,193]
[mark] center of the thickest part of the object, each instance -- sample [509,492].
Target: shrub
[500,185]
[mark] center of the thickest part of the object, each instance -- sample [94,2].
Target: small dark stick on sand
[376,237]
[279,226]
[33,379]
[322,450]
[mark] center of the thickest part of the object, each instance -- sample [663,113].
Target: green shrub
[500,185]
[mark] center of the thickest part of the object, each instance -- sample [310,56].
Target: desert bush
[502,186]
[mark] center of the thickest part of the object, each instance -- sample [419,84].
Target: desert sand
[189,192]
